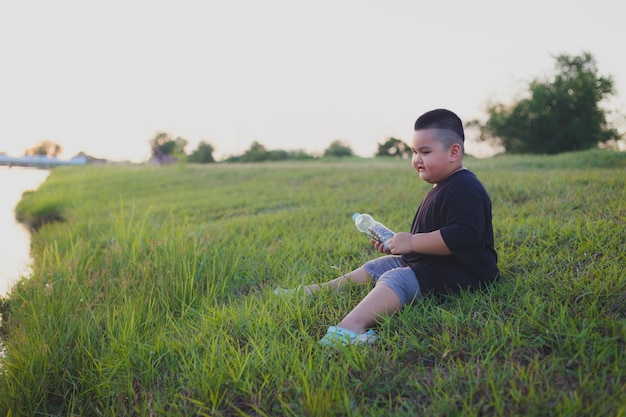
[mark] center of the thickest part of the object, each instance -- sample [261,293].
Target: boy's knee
[403,283]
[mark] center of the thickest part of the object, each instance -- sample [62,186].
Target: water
[14,238]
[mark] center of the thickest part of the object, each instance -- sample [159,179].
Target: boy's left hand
[400,243]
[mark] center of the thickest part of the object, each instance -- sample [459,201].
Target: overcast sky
[104,76]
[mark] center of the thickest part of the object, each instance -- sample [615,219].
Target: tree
[394,147]
[166,150]
[559,115]
[45,148]
[163,144]
[203,154]
[256,153]
[338,148]
[179,147]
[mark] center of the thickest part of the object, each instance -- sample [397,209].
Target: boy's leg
[358,276]
[381,301]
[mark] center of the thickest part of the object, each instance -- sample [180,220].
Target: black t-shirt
[460,208]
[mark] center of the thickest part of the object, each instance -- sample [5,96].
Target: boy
[451,244]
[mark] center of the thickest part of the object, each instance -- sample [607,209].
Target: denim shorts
[392,272]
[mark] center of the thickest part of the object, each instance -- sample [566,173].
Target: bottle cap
[355,215]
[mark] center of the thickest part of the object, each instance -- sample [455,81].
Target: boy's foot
[299,290]
[340,336]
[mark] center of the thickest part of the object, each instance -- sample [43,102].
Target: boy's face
[432,161]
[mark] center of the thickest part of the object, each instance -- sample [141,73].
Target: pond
[14,237]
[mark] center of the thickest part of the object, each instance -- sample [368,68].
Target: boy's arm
[431,243]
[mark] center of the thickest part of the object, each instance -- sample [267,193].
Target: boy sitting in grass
[450,247]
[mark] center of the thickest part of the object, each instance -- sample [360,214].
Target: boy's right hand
[380,247]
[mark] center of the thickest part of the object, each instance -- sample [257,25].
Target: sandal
[340,336]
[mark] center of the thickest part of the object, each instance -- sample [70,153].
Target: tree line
[166,149]
[566,111]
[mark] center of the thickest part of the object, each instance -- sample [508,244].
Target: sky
[104,77]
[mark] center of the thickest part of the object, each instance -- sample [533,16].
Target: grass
[152,295]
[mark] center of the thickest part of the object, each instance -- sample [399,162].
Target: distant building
[40,161]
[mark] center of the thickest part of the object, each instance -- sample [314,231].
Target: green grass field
[152,294]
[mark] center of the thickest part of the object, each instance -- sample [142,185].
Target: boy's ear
[456,152]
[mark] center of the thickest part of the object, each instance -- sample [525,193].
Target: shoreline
[15,241]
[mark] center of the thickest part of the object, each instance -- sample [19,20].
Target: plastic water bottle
[366,224]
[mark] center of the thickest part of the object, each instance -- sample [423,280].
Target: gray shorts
[393,273]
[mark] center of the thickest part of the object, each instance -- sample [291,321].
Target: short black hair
[441,119]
